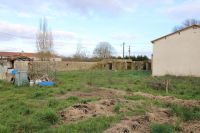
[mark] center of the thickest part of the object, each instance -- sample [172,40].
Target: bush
[48,116]
[162,128]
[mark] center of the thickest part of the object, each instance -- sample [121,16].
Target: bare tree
[103,50]
[80,53]
[190,22]
[44,41]
[186,23]
[177,28]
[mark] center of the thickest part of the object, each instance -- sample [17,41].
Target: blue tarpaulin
[46,83]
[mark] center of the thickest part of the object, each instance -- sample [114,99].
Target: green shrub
[48,116]
[162,128]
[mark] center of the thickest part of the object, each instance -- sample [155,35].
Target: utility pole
[129,51]
[123,49]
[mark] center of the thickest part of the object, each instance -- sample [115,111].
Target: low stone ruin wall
[124,65]
[70,65]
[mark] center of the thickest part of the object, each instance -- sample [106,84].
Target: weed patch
[135,98]
[117,107]
[4,129]
[85,101]
[47,116]
[186,113]
[53,103]
[93,125]
[162,128]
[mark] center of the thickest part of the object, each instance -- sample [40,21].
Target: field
[103,101]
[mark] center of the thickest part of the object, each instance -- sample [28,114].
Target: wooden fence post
[167,86]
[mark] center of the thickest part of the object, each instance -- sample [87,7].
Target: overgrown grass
[186,113]
[135,98]
[181,87]
[93,125]
[34,109]
[48,116]
[117,107]
[162,128]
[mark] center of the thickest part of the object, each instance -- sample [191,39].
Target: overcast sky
[87,22]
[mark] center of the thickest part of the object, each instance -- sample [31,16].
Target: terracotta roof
[193,26]
[16,54]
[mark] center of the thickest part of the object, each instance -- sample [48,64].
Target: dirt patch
[191,127]
[170,99]
[99,108]
[95,93]
[137,124]
[141,124]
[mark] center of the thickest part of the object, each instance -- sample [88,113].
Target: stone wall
[70,65]
[124,65]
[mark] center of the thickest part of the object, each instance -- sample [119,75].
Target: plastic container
[37,81]
[31,82]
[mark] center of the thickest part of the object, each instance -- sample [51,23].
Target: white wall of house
[178,54]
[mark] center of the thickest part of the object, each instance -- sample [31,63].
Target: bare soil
[113,93]
[191,127]
[103,107]
[141,124]
[136,124]
[80,111]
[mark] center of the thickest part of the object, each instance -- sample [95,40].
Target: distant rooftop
[16,54]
